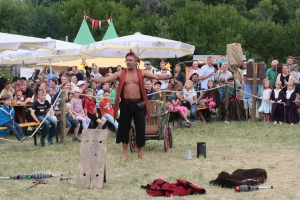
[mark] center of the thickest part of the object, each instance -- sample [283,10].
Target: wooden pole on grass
[253,114]
[62,121]
[164,99]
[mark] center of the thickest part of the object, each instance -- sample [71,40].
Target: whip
[30,176]
[248,188]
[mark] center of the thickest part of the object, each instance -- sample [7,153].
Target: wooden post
[164,99]
[91,168]
[62,121]
[226,102]
[253,114]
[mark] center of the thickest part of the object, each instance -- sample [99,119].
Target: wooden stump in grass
[92,157]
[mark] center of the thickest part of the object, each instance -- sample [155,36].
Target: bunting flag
[97,23]
[85,15]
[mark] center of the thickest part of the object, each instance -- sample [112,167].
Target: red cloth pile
[160,187]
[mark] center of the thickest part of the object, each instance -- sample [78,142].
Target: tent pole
[50,67]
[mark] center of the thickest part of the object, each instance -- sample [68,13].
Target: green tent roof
[84,36]
[111,32]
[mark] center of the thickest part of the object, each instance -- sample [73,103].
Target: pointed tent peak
[137,33]
[111,32]
[84,35]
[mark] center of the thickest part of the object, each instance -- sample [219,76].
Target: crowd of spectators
[91,104]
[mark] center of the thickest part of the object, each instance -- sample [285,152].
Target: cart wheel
[166,138]
[170,137]
[132,139]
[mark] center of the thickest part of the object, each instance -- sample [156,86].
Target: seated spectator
[73,81]
[81,85]
[211,98]
[175,85]
[222,89]
[95,72]
[70,118]
[174,102]
[157,87]
[77,109]
[54,89]
[37,80]
[152,94]
[119,68]
[15,82]
[94,87]
[79,76]
[40,86]
[107,110]
[7,113]
[105,86]
[64,78]
[49,74]
[24,99]
[90,109]
[114,92]
[7,89]
[39,113]
[190,99]
[197,87]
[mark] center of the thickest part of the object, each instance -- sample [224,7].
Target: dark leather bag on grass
[240,177]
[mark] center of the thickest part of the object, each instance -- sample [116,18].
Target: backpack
[160,187]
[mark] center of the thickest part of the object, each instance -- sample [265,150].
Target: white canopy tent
[143,45]
[14,42]
[64,51]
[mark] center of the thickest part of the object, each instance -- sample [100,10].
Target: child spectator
[7,113]
[277,109]
[222,60]
[266,105]
[174,104]
[39,113]
[8,89]
[247,97]
[107,110]
[222,89]
[70,118]
[290,108]
[77,109]
[211,99]
[105,86]
[190,98]
[90,109]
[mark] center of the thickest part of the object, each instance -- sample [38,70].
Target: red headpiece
[131,53]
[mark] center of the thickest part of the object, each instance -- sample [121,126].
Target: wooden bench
[33,125]
[176,112]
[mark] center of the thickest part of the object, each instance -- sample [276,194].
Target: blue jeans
[112,120]
[70,121]
[16,129]
[192,108]
[49,121]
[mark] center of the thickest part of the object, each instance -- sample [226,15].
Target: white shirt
[164,83]
[195,71]
[276,93]
[98,75]
[189,95]
[288,94]
[203,72]
[48,98]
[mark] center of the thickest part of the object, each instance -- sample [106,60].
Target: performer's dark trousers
[127,112]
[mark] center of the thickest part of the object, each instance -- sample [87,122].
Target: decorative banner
[97,23]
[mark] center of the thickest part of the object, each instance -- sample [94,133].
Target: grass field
[229,147]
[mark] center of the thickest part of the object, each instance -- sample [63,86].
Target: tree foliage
[267,29]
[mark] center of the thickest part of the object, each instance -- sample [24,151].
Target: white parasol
[14,42]
[143,45]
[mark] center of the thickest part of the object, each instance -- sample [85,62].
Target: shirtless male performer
[132,91]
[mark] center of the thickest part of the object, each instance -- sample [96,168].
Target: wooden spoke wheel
[132,139]
[168,140]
